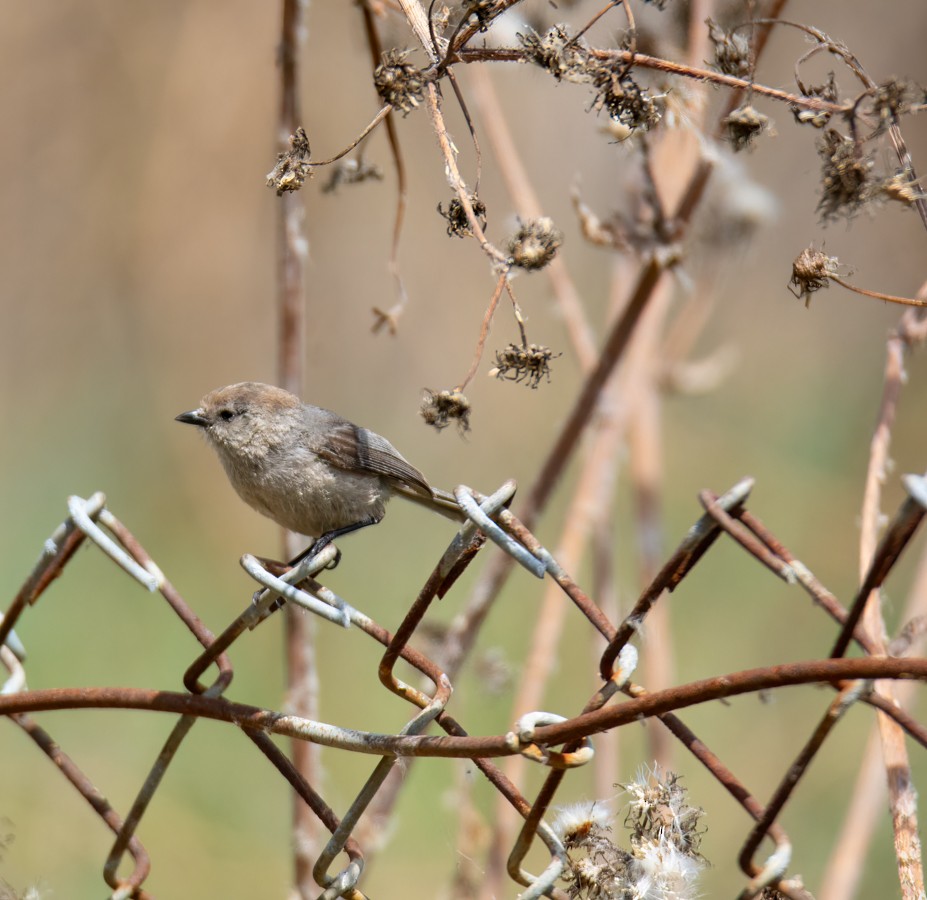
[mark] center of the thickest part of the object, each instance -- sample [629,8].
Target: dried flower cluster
[624,99]
[440,408]
[398,82]
[893,99]
[458,225]
[535,243]
[811,271]
[901,188]
[817,118]
[569,59]
[528,363]
[744,125]
[293,166]
[731,51]
[663,862]
[659,811]
[564,57]
[846,175]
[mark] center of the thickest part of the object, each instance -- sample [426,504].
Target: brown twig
[302,679]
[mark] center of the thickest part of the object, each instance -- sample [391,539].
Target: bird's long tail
[440,501]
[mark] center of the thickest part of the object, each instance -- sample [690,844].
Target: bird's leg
[321,542]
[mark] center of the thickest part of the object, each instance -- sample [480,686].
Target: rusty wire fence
[633,355]
[560,743]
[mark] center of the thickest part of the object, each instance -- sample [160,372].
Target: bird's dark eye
[226,414]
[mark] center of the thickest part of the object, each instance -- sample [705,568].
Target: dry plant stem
[418,21]
[392,136]
[525,199]
[484,330]
[464,629]
[605,9]
[698,43]
[645,470]
[374,122]
[456,182]
[845,866]
[902,795]
[888,298]
[592,494]
[302,678]
[644,61]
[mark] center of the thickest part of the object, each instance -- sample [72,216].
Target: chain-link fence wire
[560,743]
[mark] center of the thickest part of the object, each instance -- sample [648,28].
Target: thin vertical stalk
[301,675]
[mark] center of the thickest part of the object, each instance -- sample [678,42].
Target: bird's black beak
[194,417]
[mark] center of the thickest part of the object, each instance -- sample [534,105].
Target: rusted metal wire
[557,741]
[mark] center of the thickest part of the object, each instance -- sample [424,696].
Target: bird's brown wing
[351,447]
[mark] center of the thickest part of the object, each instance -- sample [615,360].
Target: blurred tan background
[137,247]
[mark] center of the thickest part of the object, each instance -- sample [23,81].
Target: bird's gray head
[246,420]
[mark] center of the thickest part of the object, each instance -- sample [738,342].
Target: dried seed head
[293,167]
[351,171]
[529,364]
[399,83]
[439,408]
[659,811]
[535,243]
[598,867]
[744,125]
[901,188]
[892,99]
[731,51]
[624,99]
[817,118]
[845,176]
[573,823]
[458,225]
[811,271]
[566,59]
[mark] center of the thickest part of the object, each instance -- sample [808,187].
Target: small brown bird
[307,468]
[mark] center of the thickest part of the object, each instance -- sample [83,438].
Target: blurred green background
[137,248]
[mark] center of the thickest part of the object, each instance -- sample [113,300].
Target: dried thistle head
[565,58]
[535,243]
[598,867]
[901,188]
[624,99]
[293,166]
[659,812]
[892,99]
[845,175]
[817,118]
[811,271]
[744,125]
[351,171]
[398,82]
[529,364]
[458,225]
[732,54]
[440,408]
